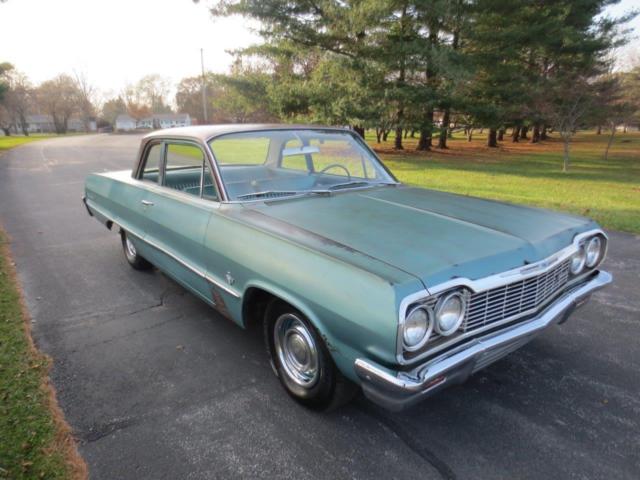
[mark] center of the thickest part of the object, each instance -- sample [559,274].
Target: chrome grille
[500,303]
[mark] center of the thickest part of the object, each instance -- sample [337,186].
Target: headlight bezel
[428,331]
[581,256]
[600,253]
[440,305]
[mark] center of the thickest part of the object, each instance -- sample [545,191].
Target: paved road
[157,385]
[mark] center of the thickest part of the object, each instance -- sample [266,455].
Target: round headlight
[577,261]
[593,252]
[450,313]
[417,328]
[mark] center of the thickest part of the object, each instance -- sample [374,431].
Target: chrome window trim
[210,158]
[494,281]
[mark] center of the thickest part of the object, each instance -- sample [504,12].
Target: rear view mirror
[288,152]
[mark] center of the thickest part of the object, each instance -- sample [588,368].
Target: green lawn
[9,142]
[531,174]
[35,442]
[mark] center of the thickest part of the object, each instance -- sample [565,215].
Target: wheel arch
[259,294]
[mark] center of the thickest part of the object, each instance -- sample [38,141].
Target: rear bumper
[398,390]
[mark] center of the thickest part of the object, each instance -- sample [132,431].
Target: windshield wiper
[281,193]
[357,184]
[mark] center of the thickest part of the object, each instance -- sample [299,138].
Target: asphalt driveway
[156,385]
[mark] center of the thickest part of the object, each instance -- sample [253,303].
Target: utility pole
[204,89]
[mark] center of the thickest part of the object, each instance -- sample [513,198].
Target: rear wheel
[302,362]
[131,253]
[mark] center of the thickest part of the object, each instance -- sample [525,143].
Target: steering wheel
[334,165]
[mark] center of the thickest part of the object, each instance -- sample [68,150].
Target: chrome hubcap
[296,350]
[131,249]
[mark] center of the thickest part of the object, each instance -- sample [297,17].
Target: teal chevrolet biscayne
[357,280]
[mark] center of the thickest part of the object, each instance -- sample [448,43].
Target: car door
[177,210]
[129,208]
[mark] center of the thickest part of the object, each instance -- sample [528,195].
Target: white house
[40,124]
[44,124]
[126,123]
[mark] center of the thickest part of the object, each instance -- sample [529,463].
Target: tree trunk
[599,130]
[423,141]
[398,140]
[359,130]
[624,128]
[444,131]
[492,140]
[426,132]
[515,134]
[523,133]
[6,131]
[378,134]
[469,134]
[606,150]
[500,135]
[543,133]
[535,136]
[565,148]
[413,133]
[385,134]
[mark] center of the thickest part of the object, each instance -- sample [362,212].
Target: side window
[151,171]
[186,169]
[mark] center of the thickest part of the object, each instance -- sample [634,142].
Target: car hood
[433,235]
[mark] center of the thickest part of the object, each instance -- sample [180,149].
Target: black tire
[132,255]
[328,389]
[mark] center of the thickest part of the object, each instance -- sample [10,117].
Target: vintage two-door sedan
[356,278]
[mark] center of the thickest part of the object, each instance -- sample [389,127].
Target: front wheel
[302,362]
[131,253]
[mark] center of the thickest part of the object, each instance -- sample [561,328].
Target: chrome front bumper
[398,390]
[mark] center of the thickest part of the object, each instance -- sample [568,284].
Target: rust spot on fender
[219,304]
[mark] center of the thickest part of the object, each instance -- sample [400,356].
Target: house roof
[206,132]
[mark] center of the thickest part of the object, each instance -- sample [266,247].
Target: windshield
[280,163]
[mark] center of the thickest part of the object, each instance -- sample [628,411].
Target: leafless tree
[59,97]
[87,99]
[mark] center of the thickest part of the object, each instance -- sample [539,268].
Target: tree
[135,105]
[5,67]
[112,108]
[87,99]
[5,116]
[243,96]
[18,100]
[152,90]
[60,98]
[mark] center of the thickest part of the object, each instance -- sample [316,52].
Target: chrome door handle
[147,203]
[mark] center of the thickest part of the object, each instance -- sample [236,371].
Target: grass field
[35,442]
[9,142]
[532,174]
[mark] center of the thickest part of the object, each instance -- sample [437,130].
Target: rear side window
[151,171]
[183,156]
